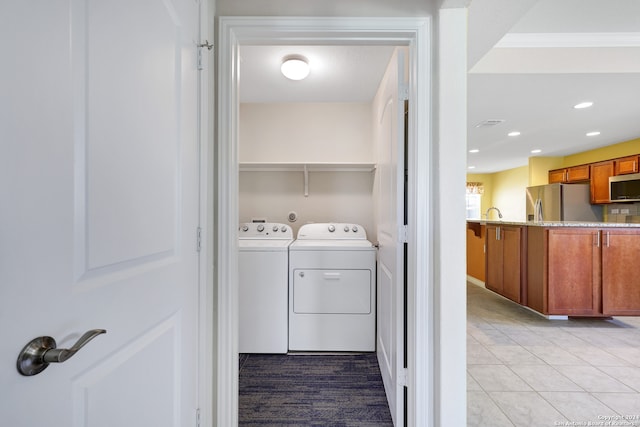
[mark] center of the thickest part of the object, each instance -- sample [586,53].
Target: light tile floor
[525,370]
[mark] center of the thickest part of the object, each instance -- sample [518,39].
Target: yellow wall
[509,193]
[504,190]
[605,153]
[539,168]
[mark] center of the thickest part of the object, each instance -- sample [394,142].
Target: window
[473,206]
[474,199]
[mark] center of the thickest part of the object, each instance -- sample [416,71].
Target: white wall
[450,293]
[305,132]
[322,132]
[333,197]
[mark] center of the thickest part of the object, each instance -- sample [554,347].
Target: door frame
[412,32]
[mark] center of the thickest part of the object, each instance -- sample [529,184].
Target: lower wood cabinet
[583,271]
[505,261]
[573,279]
[620,272]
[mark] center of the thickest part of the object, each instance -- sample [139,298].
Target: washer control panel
[323,231]
[264,230]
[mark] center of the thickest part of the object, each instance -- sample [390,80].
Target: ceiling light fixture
[514,133]
[595,133]
[536,151]
[581,105]
[471,167]
[475,150]
[295,67]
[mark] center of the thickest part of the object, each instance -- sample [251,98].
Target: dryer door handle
[332,276]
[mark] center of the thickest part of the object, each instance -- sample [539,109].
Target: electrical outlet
[624,211]
[615,211]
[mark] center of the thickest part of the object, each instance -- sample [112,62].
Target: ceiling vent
[489,123]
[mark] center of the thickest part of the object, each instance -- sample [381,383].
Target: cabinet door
[494,260]
[574,272]
[626,165]
[600,173]
[557,175]
[578,173]
[621,272]
[512,262]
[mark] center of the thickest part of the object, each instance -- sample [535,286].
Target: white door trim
[414,32]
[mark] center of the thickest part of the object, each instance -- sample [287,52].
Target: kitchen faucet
[497,210]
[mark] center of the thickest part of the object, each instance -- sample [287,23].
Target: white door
[389,137]
[99,189]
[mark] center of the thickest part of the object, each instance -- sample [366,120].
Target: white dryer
[263,261]
[332,289]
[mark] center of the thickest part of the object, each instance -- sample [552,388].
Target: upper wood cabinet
[626,165]
[578,173]
[600,173]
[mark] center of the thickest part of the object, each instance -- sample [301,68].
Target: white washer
[332,290]
[263,261]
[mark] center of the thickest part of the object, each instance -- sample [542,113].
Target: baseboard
[475,281]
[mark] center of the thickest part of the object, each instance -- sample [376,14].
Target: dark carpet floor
[312,390]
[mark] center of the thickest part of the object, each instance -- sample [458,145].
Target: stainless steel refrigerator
[561,202]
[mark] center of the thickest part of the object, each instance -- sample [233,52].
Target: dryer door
[331,291]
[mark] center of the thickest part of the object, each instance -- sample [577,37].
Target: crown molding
[543,40]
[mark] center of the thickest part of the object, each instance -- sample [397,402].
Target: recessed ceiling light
[536,151]
[471,167]
[295,67]
[514,133]
[595,133]
[581,105]
[475,150]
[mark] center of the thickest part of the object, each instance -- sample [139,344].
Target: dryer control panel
[332,231]
[264,230]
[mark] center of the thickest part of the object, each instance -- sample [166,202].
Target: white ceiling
[530,61]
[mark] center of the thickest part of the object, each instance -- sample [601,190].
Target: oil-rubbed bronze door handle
[40,352]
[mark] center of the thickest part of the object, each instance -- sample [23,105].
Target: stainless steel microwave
[624,188]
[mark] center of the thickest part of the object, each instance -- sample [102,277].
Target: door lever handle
[40,352]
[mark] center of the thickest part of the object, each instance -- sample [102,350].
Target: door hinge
[199,239]
[198,417]
[403,234]
[403,93]
[209,47]
[403,376]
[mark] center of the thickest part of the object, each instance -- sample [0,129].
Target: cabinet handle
[607,239]
[598,239]
[497,233]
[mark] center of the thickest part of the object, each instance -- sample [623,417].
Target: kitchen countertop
[559,223]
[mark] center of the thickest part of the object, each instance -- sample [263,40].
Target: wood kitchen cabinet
[583,271]
[626,165]
[620,272]
[578,173]
[573,279]
[600,173]
[505,262]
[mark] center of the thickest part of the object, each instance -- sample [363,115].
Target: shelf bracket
[306,181]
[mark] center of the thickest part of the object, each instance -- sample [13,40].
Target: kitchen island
[563,268]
